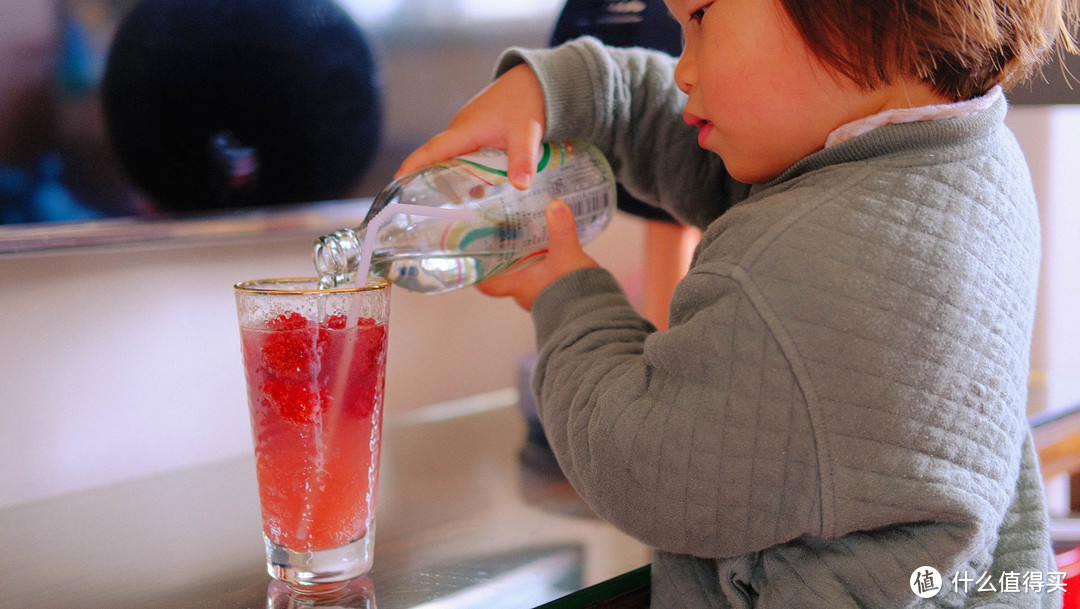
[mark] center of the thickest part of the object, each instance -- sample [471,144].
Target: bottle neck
[337,257]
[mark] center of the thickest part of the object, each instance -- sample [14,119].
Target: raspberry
[288,321]
[294,401]
[289,360]
[337,321]
[364,366]
[288,354]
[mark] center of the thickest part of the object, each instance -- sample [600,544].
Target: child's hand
[508,115]
[564,256]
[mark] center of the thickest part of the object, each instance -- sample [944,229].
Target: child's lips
[703,134]
[704,127]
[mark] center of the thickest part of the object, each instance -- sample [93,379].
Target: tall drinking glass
[315,362]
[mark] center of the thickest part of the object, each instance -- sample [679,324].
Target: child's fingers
[564,256]
[445,145]
[519,285]
[523,151]
[562,229]
[498,286]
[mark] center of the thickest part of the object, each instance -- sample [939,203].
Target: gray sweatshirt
[840,398]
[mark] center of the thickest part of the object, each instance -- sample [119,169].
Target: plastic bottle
[435,254]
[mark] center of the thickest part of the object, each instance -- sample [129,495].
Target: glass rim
[266,286]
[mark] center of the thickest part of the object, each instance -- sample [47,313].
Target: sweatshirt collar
[891,138]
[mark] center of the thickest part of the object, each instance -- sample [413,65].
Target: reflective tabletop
[470,514]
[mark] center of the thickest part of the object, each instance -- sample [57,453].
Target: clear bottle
[435,254]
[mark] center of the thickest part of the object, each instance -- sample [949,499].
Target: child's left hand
[564,256]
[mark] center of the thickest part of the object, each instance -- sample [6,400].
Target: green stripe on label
[544,158]
[485,167]
[478,233]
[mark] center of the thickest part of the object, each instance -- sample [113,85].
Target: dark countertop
[462,521]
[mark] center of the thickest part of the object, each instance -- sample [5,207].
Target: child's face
[760,98]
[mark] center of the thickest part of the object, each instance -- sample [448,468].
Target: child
[839,402]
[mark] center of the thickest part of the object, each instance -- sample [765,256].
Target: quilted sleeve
[694,440]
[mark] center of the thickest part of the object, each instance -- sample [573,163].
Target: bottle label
[552,154]
[432,255]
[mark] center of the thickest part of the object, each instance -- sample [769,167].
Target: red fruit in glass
[315,393]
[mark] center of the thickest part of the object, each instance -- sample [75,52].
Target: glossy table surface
[468,516]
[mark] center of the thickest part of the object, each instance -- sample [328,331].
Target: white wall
[1050,137]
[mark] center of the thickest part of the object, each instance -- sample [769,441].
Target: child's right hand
[509,115]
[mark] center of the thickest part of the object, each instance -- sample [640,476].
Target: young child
[839,402]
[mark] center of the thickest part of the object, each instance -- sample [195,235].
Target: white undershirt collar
[911,115]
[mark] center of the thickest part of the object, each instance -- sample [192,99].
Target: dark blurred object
[620,23]
[237,103]
[623,23]
[537,452]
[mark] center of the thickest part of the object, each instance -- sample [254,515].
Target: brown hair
[961,47]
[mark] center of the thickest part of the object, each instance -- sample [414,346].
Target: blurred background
[55,160]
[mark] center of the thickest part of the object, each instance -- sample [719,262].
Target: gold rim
[266,286]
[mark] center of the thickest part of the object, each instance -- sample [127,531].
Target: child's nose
[685,73]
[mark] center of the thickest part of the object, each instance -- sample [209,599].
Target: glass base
[357,593]
[323,571]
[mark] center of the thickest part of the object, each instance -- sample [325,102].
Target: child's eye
[699,14]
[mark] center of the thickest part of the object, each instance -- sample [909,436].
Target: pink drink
[315,392]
